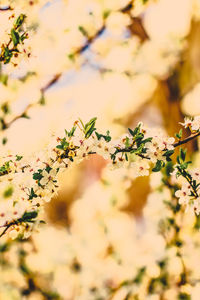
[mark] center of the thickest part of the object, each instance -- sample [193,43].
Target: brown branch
[138,29]
[6,8]
[4,231]
[189,138]
[6,228]
[22,115]
[51,82]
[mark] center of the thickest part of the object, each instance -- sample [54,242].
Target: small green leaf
[8,192]
[37,175]
[179,135]
[4,79]
[159,165]
[106,137]
[184,296]
[71,57]
[42,100]
[19,21]
[106,13]
[27,216]
[18,157]
[4,140]
[32,194]
[135,131]
[89,127]
[15,37]
[4,247]
[71,132]
[140,275]
[182,154]
[83,31]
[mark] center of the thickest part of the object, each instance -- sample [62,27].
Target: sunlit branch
[5,8]
[188,139]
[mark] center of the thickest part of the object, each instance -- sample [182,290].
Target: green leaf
[63,144]
[89,127]
[42,100]
[184,296]
[4,140]
[127,144]
[23,37]
[32,194]
[6,54]
[48,169]
[25,116]
[18,157]
[5,168]
[159,165]
[169,168]
[8,192]
[83,31]
[71,57]
[15,37]
[182,154]
[4,79]
[27,216]
[140,275]
[59,147]
[135,131]
[24,269]
[4,247]
[147,140]
[19,21]
[37,175]
[168,153]
[106,13]
[179,135]
[5,108]
[71,132]
[106,137]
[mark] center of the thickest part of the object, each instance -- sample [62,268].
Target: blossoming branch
[26,184]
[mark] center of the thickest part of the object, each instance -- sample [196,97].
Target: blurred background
[122,62]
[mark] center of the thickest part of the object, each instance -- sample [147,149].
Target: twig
[7,227]
[189,138]
[6,8]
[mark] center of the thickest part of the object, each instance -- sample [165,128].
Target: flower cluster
[188,195]
[192,123]
[13,46]
[91,261]
[27,183]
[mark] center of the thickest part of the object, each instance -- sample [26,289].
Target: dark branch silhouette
[5,8]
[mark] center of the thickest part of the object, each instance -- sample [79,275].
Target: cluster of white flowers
[192,123]
[188,195]
[90,260]
[159,143]
[27,183]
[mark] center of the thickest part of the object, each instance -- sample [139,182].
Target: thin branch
[4,231]
[22,115]
[6,8]
[189,138]
[51,82]
[6,228]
